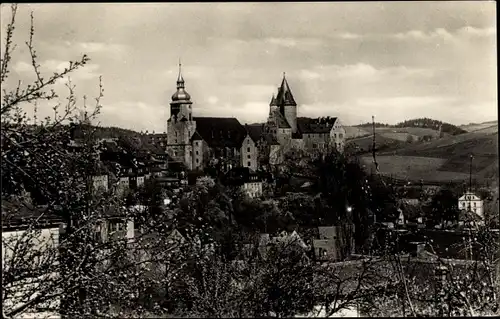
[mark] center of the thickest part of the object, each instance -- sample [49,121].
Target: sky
[393,60]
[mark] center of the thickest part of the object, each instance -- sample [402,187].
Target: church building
[197,141]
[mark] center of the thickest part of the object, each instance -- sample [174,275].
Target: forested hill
[113,132]
[368,124]
[432,124]
[422,123]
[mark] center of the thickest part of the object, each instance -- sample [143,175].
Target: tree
[443,207]
[54,160]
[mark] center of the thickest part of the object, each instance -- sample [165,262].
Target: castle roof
[221,131]
[257,133]
[308,125]
[280,120]
[285,96]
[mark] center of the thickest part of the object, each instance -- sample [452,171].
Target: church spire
[180,79]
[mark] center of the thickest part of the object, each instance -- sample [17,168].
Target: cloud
[135,115]
[94,47]
[86,72]
[293,42]
[443,34]
[22,67]
[362,72]
[212,100]
[349,36]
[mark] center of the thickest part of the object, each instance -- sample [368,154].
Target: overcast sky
[393,60]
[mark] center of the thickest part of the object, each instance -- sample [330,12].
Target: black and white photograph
[249,159]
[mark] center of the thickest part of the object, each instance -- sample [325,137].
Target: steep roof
[285,96]
[221,131]
[255,131]
[196,137]
[308,125]
[280,120]
[270,139]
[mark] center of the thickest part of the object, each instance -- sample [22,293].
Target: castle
[195,141]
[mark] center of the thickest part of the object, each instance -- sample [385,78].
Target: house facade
[334,243]
[472,203]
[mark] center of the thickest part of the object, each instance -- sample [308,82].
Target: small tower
[286,104]
[181,101]
[181,125]
[272,105]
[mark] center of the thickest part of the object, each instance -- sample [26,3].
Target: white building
[472,203]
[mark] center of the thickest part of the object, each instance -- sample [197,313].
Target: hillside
[471,127]
[364,144]
[452,156]
[113,132]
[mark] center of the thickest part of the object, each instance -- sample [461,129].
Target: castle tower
[180,126]
[286,104]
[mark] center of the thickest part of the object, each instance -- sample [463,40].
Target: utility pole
[470,173]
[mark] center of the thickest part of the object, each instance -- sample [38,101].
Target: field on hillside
[383,143]
[414,168]
[399,136]
[475,143]
[479,126]
[453,153]
[352,132]
[418,131]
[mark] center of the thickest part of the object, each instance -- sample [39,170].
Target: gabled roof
[196,137]
[327,232]
[18,214]
[221,131]
[285,96]
[270,139]
[308,125]
[472,195]
[239,176]
[255,131]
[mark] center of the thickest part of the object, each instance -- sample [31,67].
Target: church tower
[180,124]
[287,105]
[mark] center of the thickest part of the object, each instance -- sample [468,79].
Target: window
[335,135]
[248,141]
[175,153]
[196,143]
[249,164]
[197,161]
[250,157]
[175,141]
[248,149]
[315,145]
[341,135]
[474,204]
[197,153]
